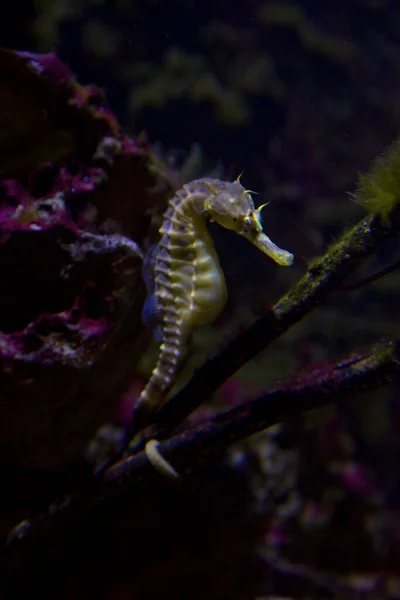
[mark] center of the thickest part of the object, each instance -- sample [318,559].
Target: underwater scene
[200,268]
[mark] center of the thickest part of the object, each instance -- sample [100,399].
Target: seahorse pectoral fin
[148,267]
[151,316]
[263,243]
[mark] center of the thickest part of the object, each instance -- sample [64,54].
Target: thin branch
[351,287]
[192,448]
[311,391]
[323,277]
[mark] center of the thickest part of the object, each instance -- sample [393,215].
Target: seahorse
[184,278]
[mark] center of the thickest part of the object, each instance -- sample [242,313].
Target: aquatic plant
[378,191]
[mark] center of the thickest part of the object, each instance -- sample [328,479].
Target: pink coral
[75,193]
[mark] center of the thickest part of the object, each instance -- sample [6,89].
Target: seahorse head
[232,206]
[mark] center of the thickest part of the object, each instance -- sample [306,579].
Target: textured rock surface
[75,191]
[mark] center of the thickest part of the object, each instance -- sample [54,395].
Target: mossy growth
[379,190]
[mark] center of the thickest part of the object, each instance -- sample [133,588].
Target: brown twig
[321,387]
[357,285]
[323,277]
[192,448]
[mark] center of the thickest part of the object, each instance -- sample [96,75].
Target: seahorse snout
[263,243]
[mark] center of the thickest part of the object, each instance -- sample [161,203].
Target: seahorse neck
[193,201]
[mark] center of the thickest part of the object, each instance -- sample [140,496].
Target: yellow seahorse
[185,282]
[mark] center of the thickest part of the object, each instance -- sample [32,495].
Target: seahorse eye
[246,225]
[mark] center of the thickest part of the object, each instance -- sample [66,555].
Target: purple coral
[70,330]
